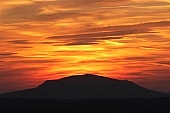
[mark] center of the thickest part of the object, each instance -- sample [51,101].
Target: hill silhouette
[84,87]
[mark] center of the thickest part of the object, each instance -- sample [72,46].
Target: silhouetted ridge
[80,79]
[86,86]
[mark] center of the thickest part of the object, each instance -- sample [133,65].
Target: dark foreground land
[141,105]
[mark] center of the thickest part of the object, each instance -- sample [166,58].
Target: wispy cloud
[5,54]
[19,42]
[108,33]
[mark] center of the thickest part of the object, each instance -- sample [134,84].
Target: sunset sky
[51,39]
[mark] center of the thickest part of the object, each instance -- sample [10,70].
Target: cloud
[84,39]
[16,1]
[19,42]
[81,43]
[108,33]
[147,58]
[7,54]
[80,3]
[20,13]
[15,72]
[32,11]
[58,16]
[135,26]
[76,11]
[36,61]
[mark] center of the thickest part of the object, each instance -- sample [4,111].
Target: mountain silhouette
[86,86]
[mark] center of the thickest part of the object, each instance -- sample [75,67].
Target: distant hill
[86,86]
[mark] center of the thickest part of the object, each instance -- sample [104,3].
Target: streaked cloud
[108,33]
[19,42]
[2,54]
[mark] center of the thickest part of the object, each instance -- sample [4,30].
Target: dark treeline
[141,105]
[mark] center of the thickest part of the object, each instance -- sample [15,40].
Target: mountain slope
[86,86]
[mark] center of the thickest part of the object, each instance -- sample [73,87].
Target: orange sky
[51,39]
